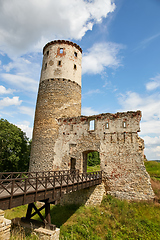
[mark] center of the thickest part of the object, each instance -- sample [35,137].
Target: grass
[153,168]
[114,219]
[93,168]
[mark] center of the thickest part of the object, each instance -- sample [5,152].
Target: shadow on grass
[60,214]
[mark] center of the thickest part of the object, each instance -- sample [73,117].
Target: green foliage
[93,159]
[153,168]
[14,148]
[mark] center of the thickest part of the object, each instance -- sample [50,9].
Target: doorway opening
[91,161]
[73,164]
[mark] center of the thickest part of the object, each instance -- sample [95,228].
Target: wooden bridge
[20,188]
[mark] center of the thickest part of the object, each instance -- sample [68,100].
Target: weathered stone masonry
[121,151]
[62,138]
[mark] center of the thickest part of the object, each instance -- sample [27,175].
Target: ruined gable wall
[121,152]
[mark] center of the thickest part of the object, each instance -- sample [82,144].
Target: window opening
[45,66]
[71,127]
[75,67]
[73,165]
[107,125]
[47,53]
[124,124]
[61,50]
[92,125]
[59,63]
[75,54]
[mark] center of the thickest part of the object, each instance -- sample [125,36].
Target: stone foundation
[36,228]
[45,234]
[5,226]
[89,196]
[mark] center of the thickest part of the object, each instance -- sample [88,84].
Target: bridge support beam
[46,206]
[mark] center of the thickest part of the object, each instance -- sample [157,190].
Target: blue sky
[121,57]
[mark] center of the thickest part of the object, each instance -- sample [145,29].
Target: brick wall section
[56,98]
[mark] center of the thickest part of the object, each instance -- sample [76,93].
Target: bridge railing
[18,175]
[14,184]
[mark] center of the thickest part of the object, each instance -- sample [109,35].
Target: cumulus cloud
[27,110]
[149,105]
[25,24]
[21,82]
[6,102]
[3,90]
[154,83]
[88,111]
[25,128]
[150,125]
[91,92]
[100,56]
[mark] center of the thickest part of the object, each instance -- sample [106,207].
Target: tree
[14,148]
[93,159]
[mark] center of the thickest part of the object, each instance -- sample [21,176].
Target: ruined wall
[115,137]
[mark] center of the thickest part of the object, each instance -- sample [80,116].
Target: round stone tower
[59,96]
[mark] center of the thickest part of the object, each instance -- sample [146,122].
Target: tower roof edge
[62,41]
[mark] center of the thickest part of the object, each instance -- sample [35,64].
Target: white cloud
[148,105]
[24,24]
[150,125]
[91,92]
[21,82]
[155,83]
[151,140]
[88,111]
[3,90]
[25,128]
[27,110]
[100,56]
[6,102]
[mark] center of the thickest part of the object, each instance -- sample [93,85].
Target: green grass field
[114,219]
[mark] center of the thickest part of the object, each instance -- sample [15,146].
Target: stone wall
[56,98]
[115,137]
[62,59]
[89,196]
[5,226]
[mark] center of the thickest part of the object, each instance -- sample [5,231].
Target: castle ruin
[62,138]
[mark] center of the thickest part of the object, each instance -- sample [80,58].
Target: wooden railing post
[12,191]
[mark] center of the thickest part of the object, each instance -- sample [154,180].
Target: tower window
[124,124]
[45,67]
[91,125]
[61,50]
[71,127]
[47,53]
[75,67]
[75,54]
[59,63]
[107,125]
